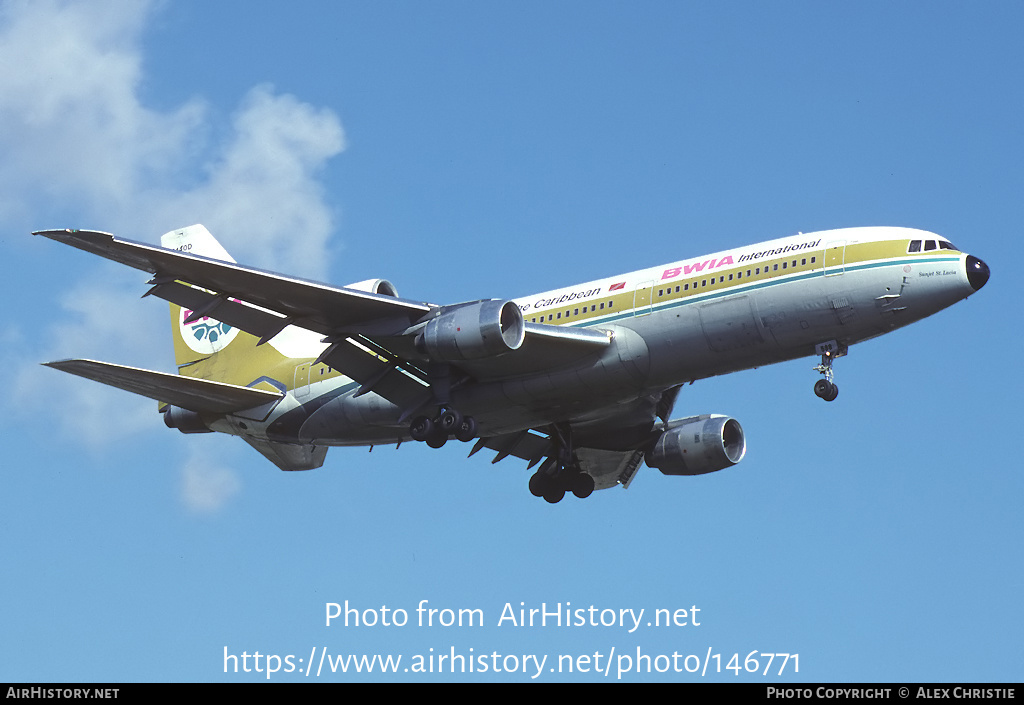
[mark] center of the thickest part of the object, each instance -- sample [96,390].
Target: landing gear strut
[561,472]
[826,388]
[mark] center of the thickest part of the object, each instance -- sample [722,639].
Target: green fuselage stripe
[818,272]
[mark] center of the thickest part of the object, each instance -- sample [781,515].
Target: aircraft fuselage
[681,322]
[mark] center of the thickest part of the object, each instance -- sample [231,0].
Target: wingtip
[66,363]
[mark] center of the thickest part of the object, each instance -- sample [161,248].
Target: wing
[371,336]
[258,302]
[199,395]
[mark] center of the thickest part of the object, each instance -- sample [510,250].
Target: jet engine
[184,420]
[698,445]
[375,286]
[473,331]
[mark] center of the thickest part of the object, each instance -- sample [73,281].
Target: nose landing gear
[826,388]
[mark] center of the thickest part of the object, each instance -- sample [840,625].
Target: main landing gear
[436,431]
[826,388]
[561,472]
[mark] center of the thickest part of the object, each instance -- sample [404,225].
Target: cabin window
[602,307]
[803,261]
[784,264]
[610,304]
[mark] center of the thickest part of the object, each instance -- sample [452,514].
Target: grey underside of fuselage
[669,345]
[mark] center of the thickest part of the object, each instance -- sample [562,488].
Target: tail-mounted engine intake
[473,331]
[375,286]
[184,420]
[698,445]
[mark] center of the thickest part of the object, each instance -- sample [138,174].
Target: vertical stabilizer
[198,342]
[195,240]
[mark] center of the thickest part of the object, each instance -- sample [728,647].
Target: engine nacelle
[473,331]
[184,420]
[698,445]
[375,286]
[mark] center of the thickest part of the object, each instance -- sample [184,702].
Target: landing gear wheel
[826,390]
[421,428]
[582,485]
[553,495]
[449,420]
[466,431]
[437,439]
[538,483]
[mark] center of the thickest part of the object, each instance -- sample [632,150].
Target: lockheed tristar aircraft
[579,382]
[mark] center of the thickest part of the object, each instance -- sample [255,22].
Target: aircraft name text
[684,269]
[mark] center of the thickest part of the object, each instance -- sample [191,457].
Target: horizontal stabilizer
[199,395]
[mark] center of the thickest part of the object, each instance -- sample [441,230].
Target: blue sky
[466,150]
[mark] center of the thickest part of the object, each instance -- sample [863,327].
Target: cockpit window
[946,245]
[929,245]
[915,246]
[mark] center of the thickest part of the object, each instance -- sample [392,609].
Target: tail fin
[197,342]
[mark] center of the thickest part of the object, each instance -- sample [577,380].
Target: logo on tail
[205,336]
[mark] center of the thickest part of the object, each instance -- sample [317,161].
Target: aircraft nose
[977,272]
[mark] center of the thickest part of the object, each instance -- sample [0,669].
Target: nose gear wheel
[826,388]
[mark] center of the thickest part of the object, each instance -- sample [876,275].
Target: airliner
[578,382]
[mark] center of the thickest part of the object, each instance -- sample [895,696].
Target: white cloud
[206,485]
[262,197]
[74,131]
[102,317]
[78,144]
[71,125]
